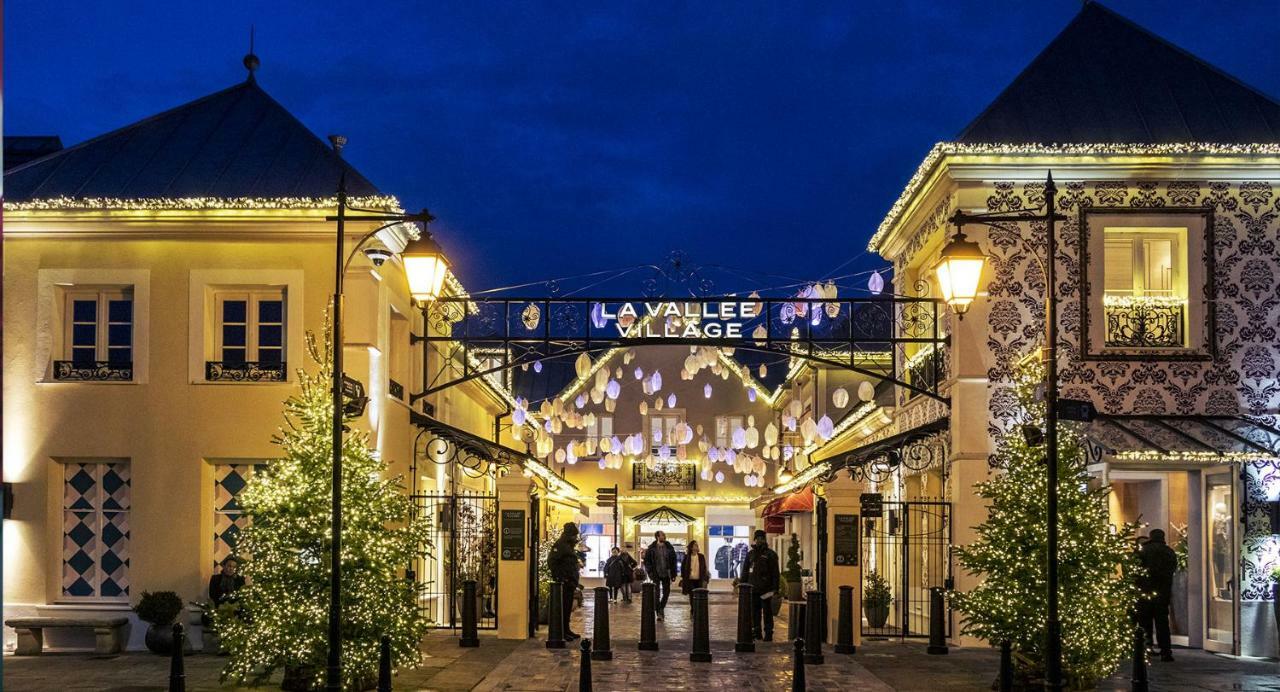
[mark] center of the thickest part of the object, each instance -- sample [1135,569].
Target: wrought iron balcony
[1144,322]
[244,371]
[395,389]
[665,475]
[92,371]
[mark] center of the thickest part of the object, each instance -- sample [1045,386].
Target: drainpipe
[497,425]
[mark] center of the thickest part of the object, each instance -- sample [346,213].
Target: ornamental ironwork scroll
[92,371]
[244,371]
[1145,324]
[664,476]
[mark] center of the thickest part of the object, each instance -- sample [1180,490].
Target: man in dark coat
[661,566]
[224,585]
[761,570]
[1159,563]
[563,563]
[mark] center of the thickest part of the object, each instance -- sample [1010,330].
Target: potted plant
[159,609]
[876,599]
[794,588]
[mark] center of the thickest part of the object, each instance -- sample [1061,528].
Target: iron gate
[464,530]
[534,554]
[908,546]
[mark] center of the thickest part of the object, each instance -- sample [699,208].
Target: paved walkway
[529,666]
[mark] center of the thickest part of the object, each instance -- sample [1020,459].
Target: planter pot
[877,615]
[159,639]
[795,590]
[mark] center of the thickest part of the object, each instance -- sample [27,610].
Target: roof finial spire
[251,61]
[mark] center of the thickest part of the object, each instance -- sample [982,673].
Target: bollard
[648,619]
[795,619]
[584,672]
[602,651]
[1006,667]
[844,626]
[555,617]
[937,622]
[701,652]
[384,665]
[177,673]
[1139,678]
[813,628]
[470,638]
[746,641]
[797,667]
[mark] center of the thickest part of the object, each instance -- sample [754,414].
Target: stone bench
[109,632]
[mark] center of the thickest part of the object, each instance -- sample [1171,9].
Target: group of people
[661,565]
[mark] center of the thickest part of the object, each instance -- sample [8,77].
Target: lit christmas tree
[1096,565]
[283,613]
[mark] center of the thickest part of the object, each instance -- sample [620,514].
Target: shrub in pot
[159,609]
[876,599]
[791,575]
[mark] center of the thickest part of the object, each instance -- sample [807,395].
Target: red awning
[799,501]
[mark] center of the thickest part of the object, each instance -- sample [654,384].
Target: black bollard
[844,626]
[648,619]
[813,628]
[470,638]
[797,667]
[1139,678]
[701,652]
[584,672]
[746,641]
[937,622]
[795,619]
[177,673]
[602,651]
[1006,667]
[555,617]
[384,665]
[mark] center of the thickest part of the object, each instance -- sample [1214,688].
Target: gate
[535,556]
[907,546]
[464,545]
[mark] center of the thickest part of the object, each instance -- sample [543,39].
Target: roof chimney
[338,142]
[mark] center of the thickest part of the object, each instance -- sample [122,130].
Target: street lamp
[958,270]
[425,267]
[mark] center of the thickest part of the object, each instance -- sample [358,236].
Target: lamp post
[959,270]
[425,268]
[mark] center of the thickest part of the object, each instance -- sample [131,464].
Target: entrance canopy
[664,516]
[1186,439]
[799,501]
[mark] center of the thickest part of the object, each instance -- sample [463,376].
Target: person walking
[693,570]
[564,564]
[617,574]
[760,569]
[660,564]
[1159,563]
[633,576]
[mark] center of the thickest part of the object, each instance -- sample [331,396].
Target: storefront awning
[1185,438]
[663,515]
[799,501]
[446,444]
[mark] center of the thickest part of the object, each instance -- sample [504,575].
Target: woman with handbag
[693,570]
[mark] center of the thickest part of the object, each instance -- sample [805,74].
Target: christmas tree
[282,619]
[1095,572]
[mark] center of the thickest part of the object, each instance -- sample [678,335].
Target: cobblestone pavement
[530,666]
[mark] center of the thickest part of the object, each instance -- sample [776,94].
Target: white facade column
[513,575]
[843,496]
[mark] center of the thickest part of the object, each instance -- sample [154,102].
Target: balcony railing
[244,371]
[665,475]
[927,369]
[92,371]
[395,389]
[1144,321]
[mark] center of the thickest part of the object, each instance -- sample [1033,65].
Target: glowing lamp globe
[425,266]
[959,272]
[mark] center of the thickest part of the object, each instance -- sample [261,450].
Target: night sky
[557,139]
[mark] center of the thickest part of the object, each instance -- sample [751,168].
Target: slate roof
[1105,79]
[234,143]
[19,149]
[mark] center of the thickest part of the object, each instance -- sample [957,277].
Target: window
[725,427]
[600,541]
[600,429]
[97,334]
[728,547]
[229,519]
[398,361]
[662,430]
[1146,274]
[95,530]
[248,339]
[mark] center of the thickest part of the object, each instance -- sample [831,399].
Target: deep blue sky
[554,139]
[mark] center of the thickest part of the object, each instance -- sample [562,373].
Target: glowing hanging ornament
[787,313]
[615,445]
[531,316]
[639,373]
[524,367]
[809,430]
[597,395]
[751,394]
[753,437]
[719,476]
[687,436]
[628,356]
[518,416]
[656,381]
[764,371]
[664,453]
[644,408]
[866,391]
[759,334]
[658,404]
[610,405]
[705,474]
[612,389]
[706,390]
[589,446]
[602,463]
[602,378]
[617,373]
[788,422]
[589,420]
[537,366]
[795,408]
[570,456]
[557,426]
[580,401]
[840,397]
[787,452]
[582,365]
[690,363]
[671,400]
[560,456]
[875,283]
[597,316]
[739,438]
[771,434]
[825,428]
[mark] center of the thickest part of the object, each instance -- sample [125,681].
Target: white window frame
[667,432]
[51,319]
[724,439]
[102,323]
[253,297]
[596,431]
[202,331]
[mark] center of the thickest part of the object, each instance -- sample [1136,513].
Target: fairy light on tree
[284,605]
[1096,588]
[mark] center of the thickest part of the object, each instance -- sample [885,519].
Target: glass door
[1221,564]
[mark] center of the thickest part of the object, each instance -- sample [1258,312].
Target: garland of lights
[1191,457]
[942,150]
[686,499]
[386,202]
[1114,301]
